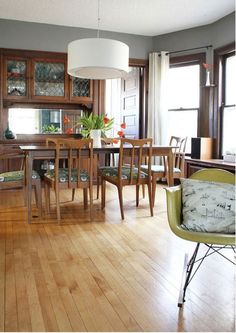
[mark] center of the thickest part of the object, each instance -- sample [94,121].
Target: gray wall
[46,37]
[217,34]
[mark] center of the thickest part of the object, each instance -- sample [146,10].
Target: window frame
[220,56]
[187,60]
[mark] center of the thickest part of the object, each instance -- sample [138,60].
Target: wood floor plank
[23,311]
[36,316]
[106,275]
[129,322]
[10,296]
[2,275]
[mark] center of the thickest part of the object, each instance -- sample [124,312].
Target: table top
[103,148]
[219,162]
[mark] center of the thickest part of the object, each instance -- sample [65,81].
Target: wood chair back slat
[76,162]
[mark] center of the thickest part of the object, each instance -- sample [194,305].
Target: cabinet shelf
[15,75]
[49,81]
[31,77]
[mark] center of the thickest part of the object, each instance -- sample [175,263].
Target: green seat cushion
[14,176]
[159,168]
[208,206]
[63,175]
[113,172]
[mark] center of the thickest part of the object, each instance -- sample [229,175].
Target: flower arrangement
[66,121]
[93,121]
[208,68]
[50,129]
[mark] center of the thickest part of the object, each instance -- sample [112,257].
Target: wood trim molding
[218,54]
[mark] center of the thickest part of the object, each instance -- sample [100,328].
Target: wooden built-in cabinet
[194,165]
[31,77]
[39,80]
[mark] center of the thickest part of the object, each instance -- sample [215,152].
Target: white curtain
[157,98]
[113,103]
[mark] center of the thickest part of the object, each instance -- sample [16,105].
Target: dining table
[43,152]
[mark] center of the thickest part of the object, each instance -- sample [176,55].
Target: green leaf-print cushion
[113,172]
[63,175]
[16,176]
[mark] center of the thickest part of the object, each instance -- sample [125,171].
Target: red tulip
[66,120]
[115,140]
[106,120]
[120,133]
[123,125]
[69,130]
[207,66]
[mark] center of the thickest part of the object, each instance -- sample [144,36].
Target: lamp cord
[98,32]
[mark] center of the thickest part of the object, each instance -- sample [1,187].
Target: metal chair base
[189,270]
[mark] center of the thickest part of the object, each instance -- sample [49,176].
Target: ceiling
[140,17]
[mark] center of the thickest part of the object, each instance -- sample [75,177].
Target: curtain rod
[194,48]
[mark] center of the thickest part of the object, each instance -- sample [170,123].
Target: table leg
[28,177]
[170,162]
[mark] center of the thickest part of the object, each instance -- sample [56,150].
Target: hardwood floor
[105,275]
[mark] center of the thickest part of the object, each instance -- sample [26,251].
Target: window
[37,121]
[184,97]
[228,142]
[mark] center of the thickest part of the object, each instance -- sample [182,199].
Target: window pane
[36,121]
[229,133]
[230,80]
[24,121]
[184,87]
[183,123]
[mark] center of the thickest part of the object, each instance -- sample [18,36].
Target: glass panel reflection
[80,87]
[16,78]
[38,121]
[49,79]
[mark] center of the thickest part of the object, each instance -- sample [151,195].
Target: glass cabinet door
[49,79]
[81,89]
[16,78]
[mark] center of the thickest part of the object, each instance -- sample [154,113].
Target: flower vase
[95,134]
[208,81]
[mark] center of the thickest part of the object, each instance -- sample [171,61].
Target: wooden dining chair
[128,172]
[109,159]
[161,171]
[11,180]
[78,172]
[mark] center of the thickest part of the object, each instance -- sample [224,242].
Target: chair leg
[85,194]
[25,196]
[47,197]
[120,188]
[103,202]
[38,196]
[151,205]
[154,184]
[143,190]
[58,205]
[137,195]
[91,202]
[186,276]
[98,183]
[73,194]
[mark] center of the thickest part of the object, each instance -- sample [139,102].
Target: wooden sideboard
[193,165]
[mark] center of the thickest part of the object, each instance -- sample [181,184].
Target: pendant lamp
[98,58]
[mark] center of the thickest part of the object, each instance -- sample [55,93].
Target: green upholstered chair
[128,172]
[78,172]
[160,171]
[213,241]
[109,158]
[15,179]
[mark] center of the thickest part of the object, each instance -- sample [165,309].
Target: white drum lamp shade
[98,58]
